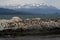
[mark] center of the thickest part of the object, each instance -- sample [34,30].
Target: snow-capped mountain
[33,8]
[37,9]
[28,6]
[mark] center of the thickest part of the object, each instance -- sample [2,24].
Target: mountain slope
[29,9]
[38,9]
[10,11]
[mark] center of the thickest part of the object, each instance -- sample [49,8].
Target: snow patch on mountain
[28,6]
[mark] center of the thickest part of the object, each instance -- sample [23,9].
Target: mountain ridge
[30,9]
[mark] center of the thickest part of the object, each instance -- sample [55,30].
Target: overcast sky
[55,3]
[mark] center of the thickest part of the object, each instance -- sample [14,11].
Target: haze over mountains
[29,9]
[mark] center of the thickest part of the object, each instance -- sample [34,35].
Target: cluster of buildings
[16,22]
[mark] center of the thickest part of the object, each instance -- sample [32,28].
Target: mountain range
[29,9]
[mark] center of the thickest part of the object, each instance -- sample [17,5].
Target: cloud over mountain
[21,2]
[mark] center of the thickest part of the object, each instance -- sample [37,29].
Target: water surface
[52,37]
